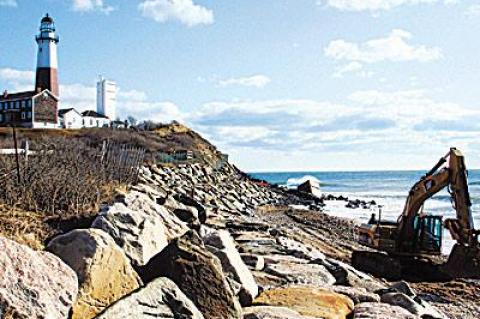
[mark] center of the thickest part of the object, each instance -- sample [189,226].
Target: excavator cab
[429,231]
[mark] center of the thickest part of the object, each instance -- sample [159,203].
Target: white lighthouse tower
[47,63]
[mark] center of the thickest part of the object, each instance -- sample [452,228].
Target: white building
[94,119]
[107,98]
[70,118]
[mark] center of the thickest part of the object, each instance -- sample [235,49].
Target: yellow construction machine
[418,236]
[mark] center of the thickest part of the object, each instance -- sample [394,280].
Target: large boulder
[174,227]
[310,186]
[378,310]
[34,284]
[139,234]
[222,245]
[198,273]
[308,301]
[159,299]
[104,272]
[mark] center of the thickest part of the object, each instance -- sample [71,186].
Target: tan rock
[104,272]
[308,301]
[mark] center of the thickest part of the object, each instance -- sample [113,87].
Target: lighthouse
[47,63]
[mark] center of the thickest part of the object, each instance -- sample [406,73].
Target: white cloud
[394,47]
[185,11]
[8,3]
[473,10]
[258,81]
[378,5]
[12,75]
[91,5]
[352,67]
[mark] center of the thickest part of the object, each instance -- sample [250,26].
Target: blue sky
[279,84]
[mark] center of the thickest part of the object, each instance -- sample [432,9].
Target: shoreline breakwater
[191,241]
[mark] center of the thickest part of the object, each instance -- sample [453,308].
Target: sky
[279,85]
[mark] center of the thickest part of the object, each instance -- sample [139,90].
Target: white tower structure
[106,98]
[47,63]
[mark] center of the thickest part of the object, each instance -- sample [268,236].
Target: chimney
[5,94]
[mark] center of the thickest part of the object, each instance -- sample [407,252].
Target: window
[29,103]
[29,115]
[1,117]
[17,104]
[23,104]
[1,106]
[91,121]
[23,115]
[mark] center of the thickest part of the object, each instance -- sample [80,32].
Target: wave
[293,182]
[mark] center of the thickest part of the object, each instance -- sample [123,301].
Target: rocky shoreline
[190,241]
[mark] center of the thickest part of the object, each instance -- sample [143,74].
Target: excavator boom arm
[455,178]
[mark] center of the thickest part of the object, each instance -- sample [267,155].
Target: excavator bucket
[463,262]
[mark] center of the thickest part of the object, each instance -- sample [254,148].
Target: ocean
[386,188]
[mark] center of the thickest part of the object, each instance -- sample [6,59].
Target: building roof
[17,95]
[61,112]
[93,114]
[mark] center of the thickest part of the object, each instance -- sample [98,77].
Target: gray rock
[269,312]
[305,274]
[404,301]
[34,284]
[257,262]
[299,249]
[139,234]
[198,273]
[159,299]
[378,310]
[174,227]
[404,288]
[358,295]
[349,276]
[222,245]
[414,305]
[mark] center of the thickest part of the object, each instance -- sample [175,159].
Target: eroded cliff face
[215,244]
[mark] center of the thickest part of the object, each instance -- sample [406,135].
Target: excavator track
[377,263]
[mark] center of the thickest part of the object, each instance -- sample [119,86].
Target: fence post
[15,144]
[26,150]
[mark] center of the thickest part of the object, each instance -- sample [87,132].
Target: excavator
[416,235]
